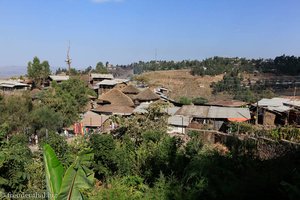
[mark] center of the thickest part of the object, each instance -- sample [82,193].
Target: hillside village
[149,100]
[141,128]
[125,97]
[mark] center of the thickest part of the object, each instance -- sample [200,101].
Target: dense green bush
[58,143]
[185,101]
[14,158]
[104,149]
[199,100]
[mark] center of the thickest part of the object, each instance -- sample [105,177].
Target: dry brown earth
[182,83]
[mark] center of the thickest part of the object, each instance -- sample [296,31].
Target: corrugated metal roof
[228,112]
[278,104]
[193,111]
[294,103]
[7,85]
[171,110]
[179,120]
[59,78]
[142,108]
[12,83]
[112,82]
[279,108]
[274,102]
[107,82]
[121,80]
[213,112]
[104,76]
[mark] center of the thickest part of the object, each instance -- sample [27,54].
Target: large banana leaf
[54,171]
[77,179]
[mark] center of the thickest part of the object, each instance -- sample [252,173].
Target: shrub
[185,101]
[199,100]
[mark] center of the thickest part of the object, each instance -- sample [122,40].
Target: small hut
[115,97]
[93,120]
[106,85]
[146,96]
[96,78]
[131,91]
[114,110]
[115,102]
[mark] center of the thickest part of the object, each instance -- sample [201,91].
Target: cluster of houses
[120,97]
[8,86]
[19,85]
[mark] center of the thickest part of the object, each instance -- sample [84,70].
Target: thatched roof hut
[147,95]
[130,89]
[91,119]
[116,98]
[113,109]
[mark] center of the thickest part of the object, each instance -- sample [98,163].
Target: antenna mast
[69,60]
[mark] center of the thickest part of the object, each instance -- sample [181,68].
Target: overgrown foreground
[155,166]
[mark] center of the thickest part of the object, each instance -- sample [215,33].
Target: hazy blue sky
[125,31]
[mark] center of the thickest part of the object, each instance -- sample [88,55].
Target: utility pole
[256,120]
[69,60]
[182,125]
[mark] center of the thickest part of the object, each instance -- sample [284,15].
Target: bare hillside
[182,83]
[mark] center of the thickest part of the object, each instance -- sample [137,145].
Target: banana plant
[71,184]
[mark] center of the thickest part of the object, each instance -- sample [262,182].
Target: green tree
[126,156]
[100,68]
[14,157]
[58,143]
[245,95]
[38,71]
[154,120]
[44,117]
[73,72]
[36,173]
[68,98]
[104,150]
[15,111]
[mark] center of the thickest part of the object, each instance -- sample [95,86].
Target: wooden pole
[256,120]
[182,124]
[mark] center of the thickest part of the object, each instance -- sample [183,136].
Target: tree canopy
[38,71]
[100,68]
[288,65]
[68,98]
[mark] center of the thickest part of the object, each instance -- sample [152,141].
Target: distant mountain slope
[9,71]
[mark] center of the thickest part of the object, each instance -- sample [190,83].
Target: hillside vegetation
[283,65]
